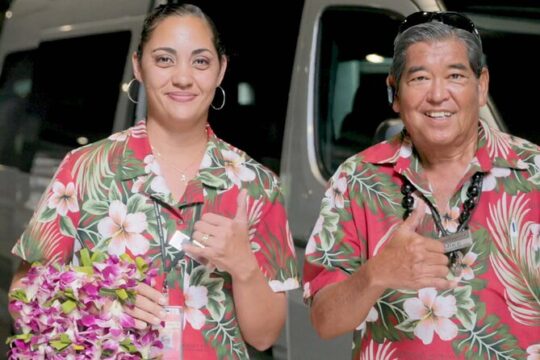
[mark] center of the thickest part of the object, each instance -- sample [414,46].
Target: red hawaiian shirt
[108,195]
[494,313]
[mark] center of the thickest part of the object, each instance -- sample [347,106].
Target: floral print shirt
[106,196]
[494,312]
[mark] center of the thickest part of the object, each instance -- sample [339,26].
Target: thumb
[416,216]
[241,210]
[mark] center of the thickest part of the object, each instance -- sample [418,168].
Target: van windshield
[60,96]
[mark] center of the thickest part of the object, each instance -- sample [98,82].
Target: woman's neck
[177,140]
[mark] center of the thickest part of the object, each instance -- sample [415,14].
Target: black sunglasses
[449,18]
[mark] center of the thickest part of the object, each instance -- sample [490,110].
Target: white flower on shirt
[151,165]
[63,198]
[235,168]
[533,352]
[125,230]
[119,136]
[289,284]
[467,272]
[336,193]
[433,314]
[195,298]
[490,180]
[372,316]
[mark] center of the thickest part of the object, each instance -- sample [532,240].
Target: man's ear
[392,93]
[483,86]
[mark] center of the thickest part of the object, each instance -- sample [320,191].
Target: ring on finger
[202,242]
[205,238]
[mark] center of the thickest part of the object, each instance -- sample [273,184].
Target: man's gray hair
[431,32]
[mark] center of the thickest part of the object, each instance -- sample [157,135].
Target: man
[428,245]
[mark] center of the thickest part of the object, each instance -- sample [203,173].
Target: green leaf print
[518,184]
[390,309]
[96,207]
[137,203]
[114,193]
[375,190]
[93,168]
[47,215]
[465,307]
[224,333]
[488,340]
[212,180]
[66,226]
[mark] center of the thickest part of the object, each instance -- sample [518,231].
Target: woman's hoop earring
[128,89]
[222,103]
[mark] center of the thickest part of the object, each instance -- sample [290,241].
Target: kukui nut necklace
[456,242]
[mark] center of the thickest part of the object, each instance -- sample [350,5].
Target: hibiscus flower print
[151,165]
[336,193]
[63,198]
[450,220]
[433,314]
[119,136]
[235,168]
[195,298]
[533,352]
[277,285]
[125,230]
[468,260]
[490,180]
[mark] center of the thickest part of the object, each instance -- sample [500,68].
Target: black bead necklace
[473,196]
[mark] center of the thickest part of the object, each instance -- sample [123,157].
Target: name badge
[457,241]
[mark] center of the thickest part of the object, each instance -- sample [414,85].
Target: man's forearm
[340,308]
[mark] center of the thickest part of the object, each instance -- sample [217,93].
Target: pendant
[453,244]
[457,241]
[183,177]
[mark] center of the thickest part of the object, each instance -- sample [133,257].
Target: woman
[168,180]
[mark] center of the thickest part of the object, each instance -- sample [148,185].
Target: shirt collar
[212,172]
[494,150]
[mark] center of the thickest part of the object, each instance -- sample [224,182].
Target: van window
[16,129]
[76,87]
[65,94]
[258,76]
[513,94]
[355,54]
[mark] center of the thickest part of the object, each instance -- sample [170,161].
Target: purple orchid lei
[76,312]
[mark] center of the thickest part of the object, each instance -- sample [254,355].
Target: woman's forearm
[261,312]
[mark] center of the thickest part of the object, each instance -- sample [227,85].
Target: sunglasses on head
[449,18]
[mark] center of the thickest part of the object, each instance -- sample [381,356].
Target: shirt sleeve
[336,247]
[50,234]
[271,241]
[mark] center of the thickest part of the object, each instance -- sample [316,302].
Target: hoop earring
[222,103]
[128,90]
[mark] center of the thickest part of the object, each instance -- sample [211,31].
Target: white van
[308,99]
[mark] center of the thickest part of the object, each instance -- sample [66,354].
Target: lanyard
[473,197]
[162,236]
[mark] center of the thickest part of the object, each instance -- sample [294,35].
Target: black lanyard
[166,270]
[473,196]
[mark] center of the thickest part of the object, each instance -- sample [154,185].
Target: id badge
[171,334]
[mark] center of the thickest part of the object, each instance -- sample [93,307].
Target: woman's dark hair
[162,12]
